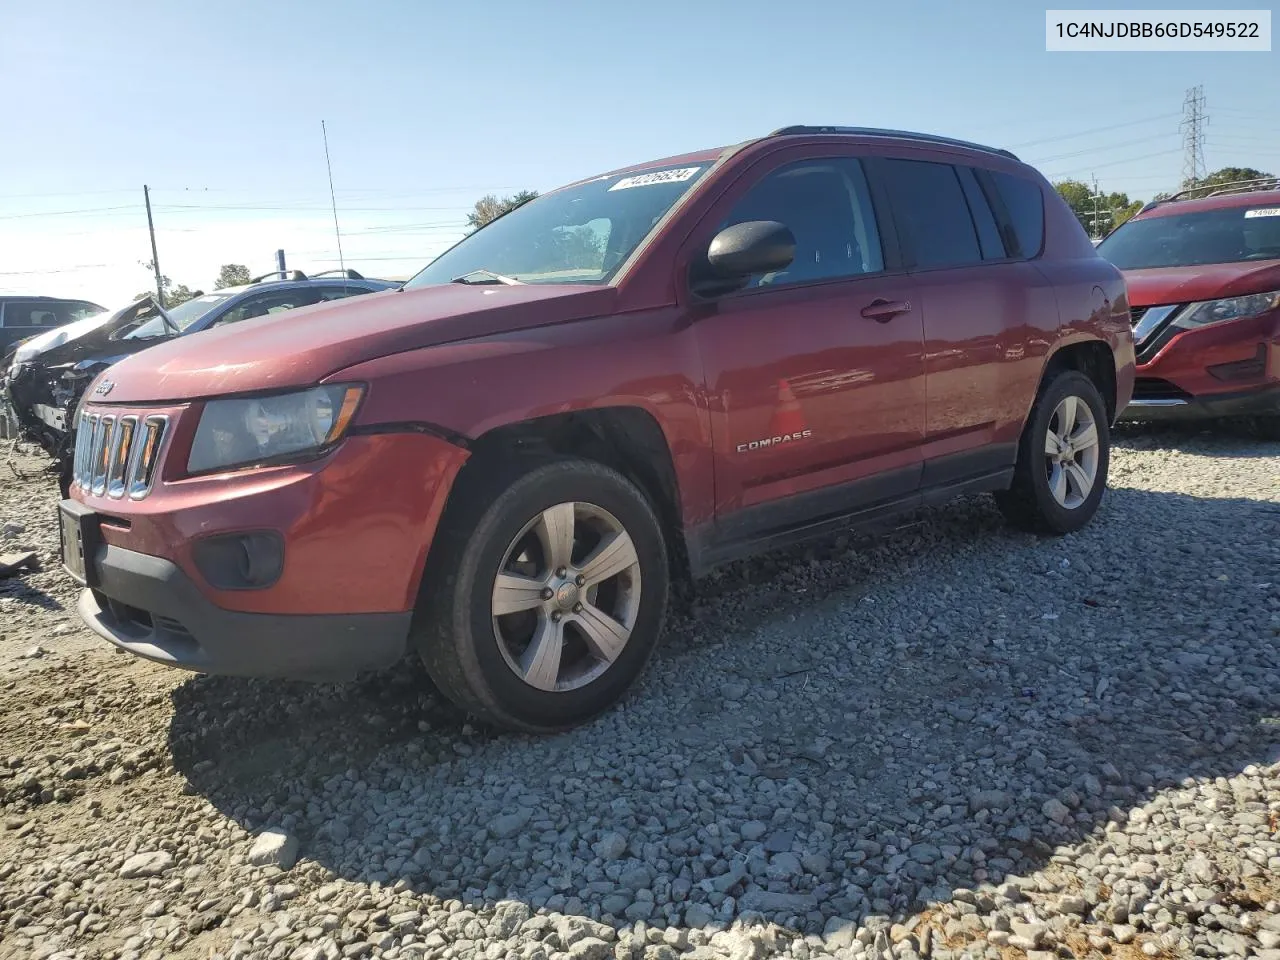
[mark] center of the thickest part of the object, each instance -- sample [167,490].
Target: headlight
[251,431]
[1232,308]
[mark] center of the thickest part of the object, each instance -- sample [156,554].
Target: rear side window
[983,218]
[268,303]
[38,313]
[931,209]
[338,293]
[1025,203]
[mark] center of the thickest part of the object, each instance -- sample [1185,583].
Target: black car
[43,379]
[25,317]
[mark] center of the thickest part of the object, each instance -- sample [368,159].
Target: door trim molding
[862,504]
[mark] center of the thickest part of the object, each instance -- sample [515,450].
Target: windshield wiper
[486,276]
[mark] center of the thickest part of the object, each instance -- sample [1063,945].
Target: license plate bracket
[81,536]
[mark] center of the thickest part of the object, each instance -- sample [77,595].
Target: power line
[1084,133]
[64,213]
[71,269]
[1113,163]
[1095,150]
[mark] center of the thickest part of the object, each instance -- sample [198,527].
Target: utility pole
[1194,120]
[155,258]
[1096,233]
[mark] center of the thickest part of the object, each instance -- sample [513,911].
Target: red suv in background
[635,377]
[1204,285]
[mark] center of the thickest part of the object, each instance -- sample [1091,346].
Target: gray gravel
[952,741]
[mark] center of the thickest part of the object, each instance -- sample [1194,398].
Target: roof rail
[1222,189]
[280,275]
[347,274]
[882,132]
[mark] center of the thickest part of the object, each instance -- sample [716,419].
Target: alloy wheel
[566,596]
[1071,452]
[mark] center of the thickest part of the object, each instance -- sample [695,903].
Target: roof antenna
[333,200]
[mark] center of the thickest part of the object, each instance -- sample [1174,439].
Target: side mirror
[757,246]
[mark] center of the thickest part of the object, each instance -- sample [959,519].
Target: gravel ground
[951,741]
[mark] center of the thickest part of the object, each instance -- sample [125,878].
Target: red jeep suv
[1204,285]
[501,466]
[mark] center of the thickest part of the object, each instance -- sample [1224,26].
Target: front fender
[463,390]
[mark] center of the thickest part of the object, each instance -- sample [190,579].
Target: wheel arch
[1092,357]
[626,438]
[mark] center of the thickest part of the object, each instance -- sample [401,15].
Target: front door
[815,374]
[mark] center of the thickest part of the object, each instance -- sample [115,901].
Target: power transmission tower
[1194,120]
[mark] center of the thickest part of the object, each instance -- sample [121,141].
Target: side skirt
[866,505]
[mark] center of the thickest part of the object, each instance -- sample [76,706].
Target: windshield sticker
[1263,212]
[660,176]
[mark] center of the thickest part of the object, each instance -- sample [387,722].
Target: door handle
[882,311]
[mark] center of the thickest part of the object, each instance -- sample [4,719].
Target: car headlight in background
[281,427]
[1232,308]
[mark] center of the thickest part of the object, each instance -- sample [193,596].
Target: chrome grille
[115,456]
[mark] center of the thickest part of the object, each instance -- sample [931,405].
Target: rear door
[977,293]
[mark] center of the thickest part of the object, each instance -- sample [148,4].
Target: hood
[1156,286]
[82,338]
[300,347]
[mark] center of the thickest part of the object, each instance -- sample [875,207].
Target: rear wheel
[1063,457]
[544,596]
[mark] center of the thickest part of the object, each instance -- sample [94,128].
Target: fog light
[240,561]
[1249,369]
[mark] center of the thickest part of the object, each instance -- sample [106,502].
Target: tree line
[1101,213]
[229,275]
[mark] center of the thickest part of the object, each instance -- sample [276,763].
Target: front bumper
[1263,402]
[1223,370]
[328,591]
[147,606]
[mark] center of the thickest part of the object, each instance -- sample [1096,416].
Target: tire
[1035,499]
[503,523]
[1267,428]
[65,477]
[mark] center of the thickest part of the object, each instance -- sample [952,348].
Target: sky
[217,106]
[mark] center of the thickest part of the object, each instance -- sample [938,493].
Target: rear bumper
[1252,403]
[147,606]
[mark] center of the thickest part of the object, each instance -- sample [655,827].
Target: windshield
[183,315]
[578,234]
[1230,235]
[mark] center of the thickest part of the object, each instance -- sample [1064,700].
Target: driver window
[827,206]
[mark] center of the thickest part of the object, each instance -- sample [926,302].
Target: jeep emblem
[103,388]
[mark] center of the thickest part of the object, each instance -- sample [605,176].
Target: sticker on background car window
[1263,212]
[660,176]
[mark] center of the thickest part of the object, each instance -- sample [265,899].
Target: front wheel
[1267,428]
[1063,457]
[544,596]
